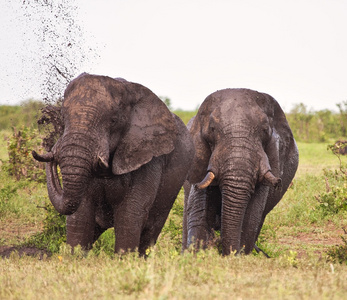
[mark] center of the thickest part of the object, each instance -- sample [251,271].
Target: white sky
[295,51]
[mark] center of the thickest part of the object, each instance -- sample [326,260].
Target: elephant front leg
[132,213]
[253,218]
[198,227]
[80,226]
[187,187]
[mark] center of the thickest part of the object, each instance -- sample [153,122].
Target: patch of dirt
[6,251]
[318,240]
[15,231]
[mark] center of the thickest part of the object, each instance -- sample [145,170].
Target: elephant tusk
[206,181]
[48,157]
[102,163]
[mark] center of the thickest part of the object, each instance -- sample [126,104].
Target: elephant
[245,159]
[123,158]
[340,147]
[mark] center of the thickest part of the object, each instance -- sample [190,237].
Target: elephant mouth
[102,167]
[103,173]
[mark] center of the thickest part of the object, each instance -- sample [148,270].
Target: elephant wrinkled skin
[245,159]
[123,158]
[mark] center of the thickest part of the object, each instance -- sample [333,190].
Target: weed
[291,258]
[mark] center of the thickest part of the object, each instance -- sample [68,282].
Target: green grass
[314,157]
[296,234]
[3,144]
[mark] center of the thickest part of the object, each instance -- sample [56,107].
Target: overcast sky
[293,50]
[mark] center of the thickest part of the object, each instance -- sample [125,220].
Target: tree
[301,118]
[167,101]
[343,117]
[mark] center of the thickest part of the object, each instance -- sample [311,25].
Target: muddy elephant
[123,157]
[245,159]
[340,147]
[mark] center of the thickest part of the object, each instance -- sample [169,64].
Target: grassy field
[296,234]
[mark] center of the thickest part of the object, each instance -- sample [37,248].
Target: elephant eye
[266,135]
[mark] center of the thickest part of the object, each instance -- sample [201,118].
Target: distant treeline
[25,114]
[307,125]
[318,126]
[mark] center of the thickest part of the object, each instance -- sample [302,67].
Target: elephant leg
[175,168]
[187,187]
[171,184]
[80,226]
[275,195]
[199,226]
[156,219]
[253,219]
[132,213]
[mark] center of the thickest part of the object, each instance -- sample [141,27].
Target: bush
[54,231]
[21,164]
[338,253]
[334,199]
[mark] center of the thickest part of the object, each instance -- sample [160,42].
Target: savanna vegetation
[305,235]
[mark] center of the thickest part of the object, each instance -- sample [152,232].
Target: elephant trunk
[76,165]
[236,193]
[237,178]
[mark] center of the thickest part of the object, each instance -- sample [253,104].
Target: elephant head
[241,139]
[111,127]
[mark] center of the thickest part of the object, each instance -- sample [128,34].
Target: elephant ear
[202,150]
[281,141]
[150,133]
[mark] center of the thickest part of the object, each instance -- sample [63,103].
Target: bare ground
[315,242]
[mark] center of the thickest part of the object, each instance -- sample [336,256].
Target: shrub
[338,253]
[334,199]
[54,231]
[21,164]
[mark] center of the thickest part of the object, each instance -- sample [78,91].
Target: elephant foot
[259,250]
